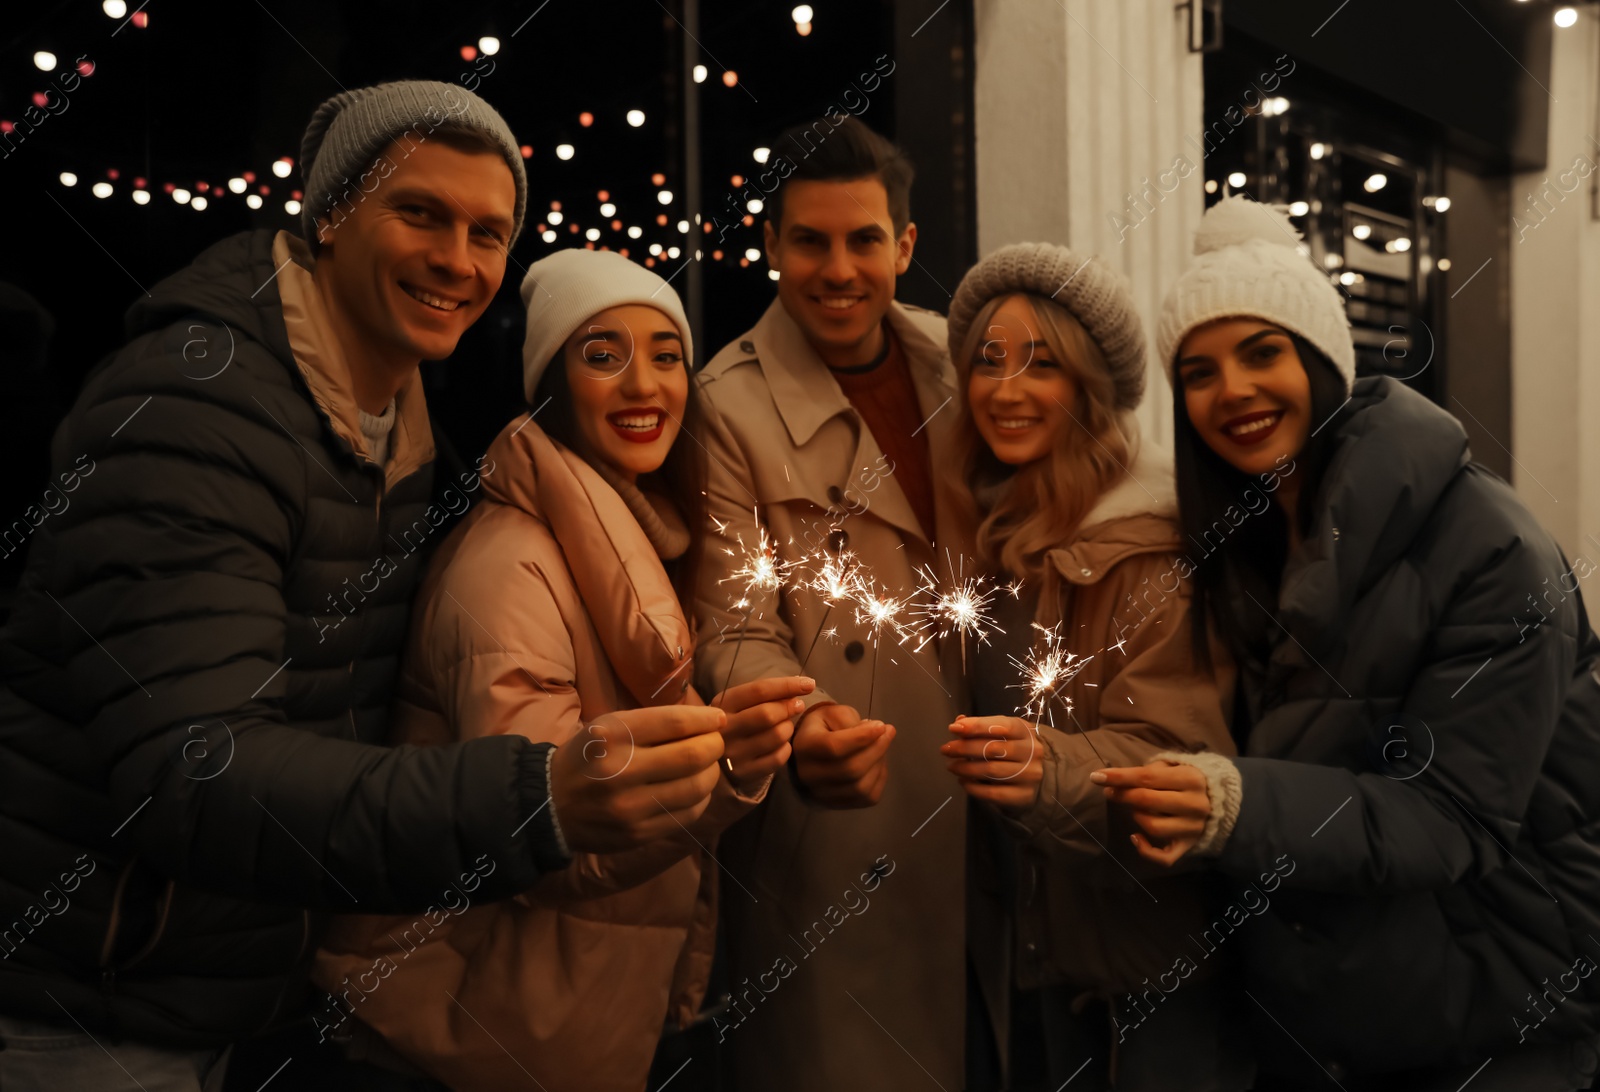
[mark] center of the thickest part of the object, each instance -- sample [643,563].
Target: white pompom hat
[1248,265]
[564,290]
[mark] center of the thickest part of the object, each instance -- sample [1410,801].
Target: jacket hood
[625,591]
[1138,514]
[1375,497]
[230,282]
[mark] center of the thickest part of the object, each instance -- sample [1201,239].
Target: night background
[191,96]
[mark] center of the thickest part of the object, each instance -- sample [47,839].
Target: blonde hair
[1023,512]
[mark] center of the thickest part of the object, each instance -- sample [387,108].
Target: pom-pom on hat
[564,290]
[1097,295]
[1248,265]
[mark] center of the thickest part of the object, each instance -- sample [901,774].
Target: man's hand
[842,759]
[760,723]
[998,759]
[635,776]
[1169,801]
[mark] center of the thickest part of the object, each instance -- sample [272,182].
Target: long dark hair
[681,479]
[1249,562]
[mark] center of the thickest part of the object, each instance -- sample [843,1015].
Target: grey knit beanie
[564,290]
[349,130]
[1248,265]
[1097,296]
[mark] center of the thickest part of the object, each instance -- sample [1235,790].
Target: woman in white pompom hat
[557,601]
[1419,717]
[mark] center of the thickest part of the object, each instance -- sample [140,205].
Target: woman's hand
[760,722]
[998,759]
[1169,803]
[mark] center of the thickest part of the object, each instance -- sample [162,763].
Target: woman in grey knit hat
[1063,498]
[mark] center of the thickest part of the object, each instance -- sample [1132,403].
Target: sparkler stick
[1046,670]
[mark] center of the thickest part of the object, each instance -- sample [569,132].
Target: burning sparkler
[760,571]
[834,581]
[1045,670]
[964,609]
[878,612]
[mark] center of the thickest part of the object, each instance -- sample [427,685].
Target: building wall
[1555,306]
[1080,107]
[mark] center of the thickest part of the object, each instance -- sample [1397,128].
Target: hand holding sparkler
[760,724]
[998,759]
[840,758]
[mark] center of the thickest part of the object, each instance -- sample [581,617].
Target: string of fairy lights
[610,231]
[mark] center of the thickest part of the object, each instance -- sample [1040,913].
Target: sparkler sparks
[964,609]
[761,570]
[1046,668]
[878,612]
[835,580]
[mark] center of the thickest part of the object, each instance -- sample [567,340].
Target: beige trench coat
[845,928]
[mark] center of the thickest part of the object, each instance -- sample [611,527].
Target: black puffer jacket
[1424,768]
[191,699]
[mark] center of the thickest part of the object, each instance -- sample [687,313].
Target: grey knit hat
[1248,265]
[349,130]
[1097,295]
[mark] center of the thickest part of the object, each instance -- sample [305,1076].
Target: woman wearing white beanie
[1063,498]
[1419,719]
[559,600]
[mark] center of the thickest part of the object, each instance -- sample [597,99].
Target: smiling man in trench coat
[844,893]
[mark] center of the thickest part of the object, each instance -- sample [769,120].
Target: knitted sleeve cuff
[555,820]
[1225,788]
[546,844]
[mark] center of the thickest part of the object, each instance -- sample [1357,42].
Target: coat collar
[326,372]
[625,591]
[807,396]
[803,388]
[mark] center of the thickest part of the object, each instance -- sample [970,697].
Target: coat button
[838,540]
[835,494]
[747,346]
[1032,949]
[854,651]
[1087,572]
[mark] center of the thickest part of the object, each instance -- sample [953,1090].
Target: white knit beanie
[1248,265]
[565,290]
[1097,295]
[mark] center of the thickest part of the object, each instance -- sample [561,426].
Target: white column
[1081,105]
[1555,307]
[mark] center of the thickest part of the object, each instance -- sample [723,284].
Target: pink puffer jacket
[547,607]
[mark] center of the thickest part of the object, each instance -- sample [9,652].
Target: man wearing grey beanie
[195,679]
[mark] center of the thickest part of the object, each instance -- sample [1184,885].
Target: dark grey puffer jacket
[1424,768]
[192,700]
